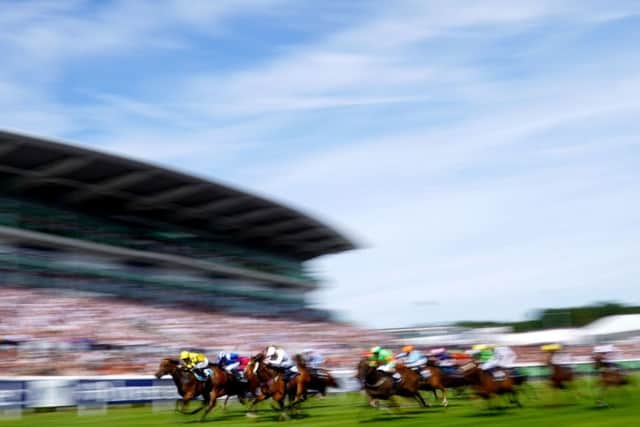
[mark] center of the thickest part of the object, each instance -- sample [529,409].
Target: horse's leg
[184,402]
[299,393]
[515,399]
[374,403]
[251,412]
[212,402]
[279,397]
[204,404]
[420,400]
[261,394]
[226,400]
[600,399]
[445,401]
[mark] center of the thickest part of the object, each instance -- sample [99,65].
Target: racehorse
[561,376]
[298,385]
[611,375]
[265,382]
[188,386]
[432,380]
[487,385]
[224,384]
[381,385]
[321,380]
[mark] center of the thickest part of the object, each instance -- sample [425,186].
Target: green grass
[542,408]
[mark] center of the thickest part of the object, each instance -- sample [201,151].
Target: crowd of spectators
[54,332]
[66,333]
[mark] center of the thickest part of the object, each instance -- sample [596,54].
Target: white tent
[546,336]
[614,327]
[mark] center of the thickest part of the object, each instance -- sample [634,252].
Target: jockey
[482,352]
[383,359]
[503,357]
[312,358]
[411,358]
[442,358]
[608,353]
[196,363]
[277,357]
[230,362]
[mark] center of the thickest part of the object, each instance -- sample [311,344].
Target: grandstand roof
[81,177]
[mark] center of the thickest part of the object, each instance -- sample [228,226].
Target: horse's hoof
[284,416]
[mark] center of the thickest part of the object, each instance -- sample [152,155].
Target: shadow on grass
[385,418]
[493,412]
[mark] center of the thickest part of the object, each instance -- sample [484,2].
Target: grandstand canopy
[82,178]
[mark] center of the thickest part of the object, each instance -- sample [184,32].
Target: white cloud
[525,189]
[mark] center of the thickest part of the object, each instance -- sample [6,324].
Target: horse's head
[300,361]
[363,368]
[432,361]
[168,366]
[254,364]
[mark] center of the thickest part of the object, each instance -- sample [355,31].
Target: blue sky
[486,155]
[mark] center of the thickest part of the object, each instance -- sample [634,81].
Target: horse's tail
[331,381]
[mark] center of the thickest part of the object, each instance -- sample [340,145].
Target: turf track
[542,408]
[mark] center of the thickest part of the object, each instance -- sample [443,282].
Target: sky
[484,155]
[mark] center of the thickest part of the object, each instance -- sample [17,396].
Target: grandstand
[77,219]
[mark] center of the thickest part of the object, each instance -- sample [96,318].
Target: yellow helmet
[184,354]
[551,347]
[407,349]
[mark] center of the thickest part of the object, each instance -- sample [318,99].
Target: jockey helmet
[222,355]
[376,349]
[271,350]
[551,347]
[407,349]
[184,355]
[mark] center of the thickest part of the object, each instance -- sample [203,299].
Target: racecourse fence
[18,393]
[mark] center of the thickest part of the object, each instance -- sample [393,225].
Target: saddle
[319,373]
[287,372]
[425,373]
[499,374]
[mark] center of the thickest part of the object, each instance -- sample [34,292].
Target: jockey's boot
[199,373]
[239,375]
[397,377]
[289,374]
